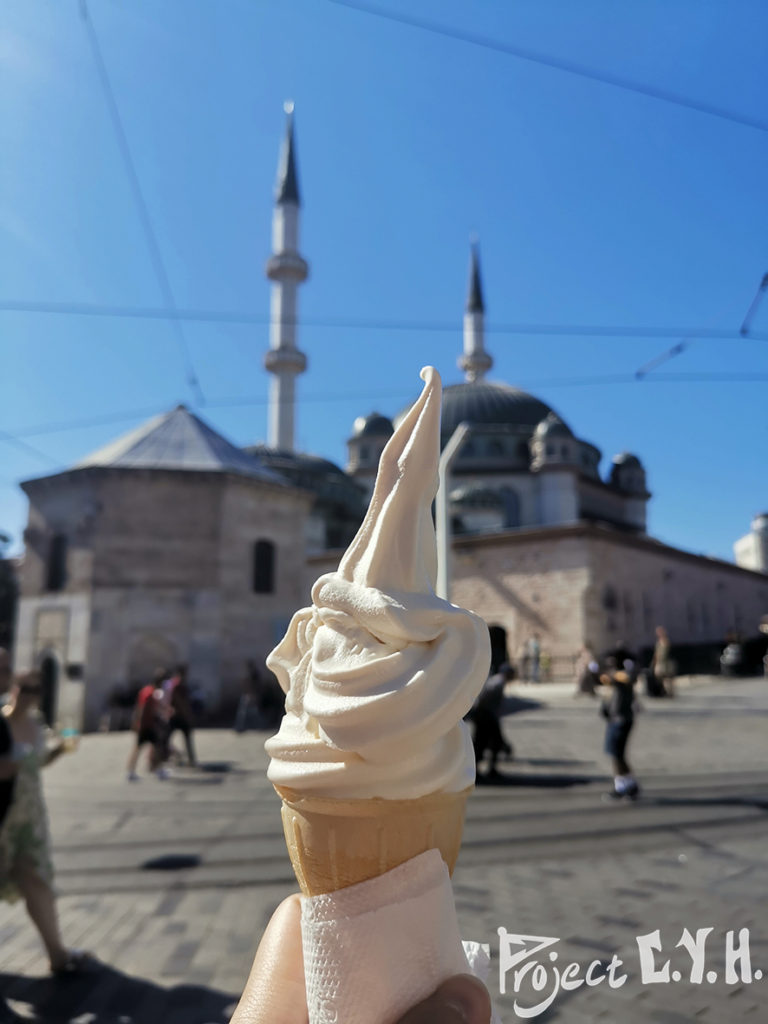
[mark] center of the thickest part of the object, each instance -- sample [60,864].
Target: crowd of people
[612,675]
[163,707]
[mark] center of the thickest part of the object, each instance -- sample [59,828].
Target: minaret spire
[286,269]
[474,361]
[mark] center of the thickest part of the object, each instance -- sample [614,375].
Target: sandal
[78,962]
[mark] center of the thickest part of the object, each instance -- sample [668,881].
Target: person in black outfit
[485,716]
[619,711]
[181,712]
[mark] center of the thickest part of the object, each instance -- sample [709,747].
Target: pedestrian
[662,665]
[587,671]
[250,696]
[534,657]
[150,723]
[178,697]
[619,711]
[26,869]
[485,715]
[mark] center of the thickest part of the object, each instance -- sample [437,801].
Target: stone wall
[526,582]
[169,578]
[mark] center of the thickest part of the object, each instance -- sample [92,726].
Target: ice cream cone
[336,843]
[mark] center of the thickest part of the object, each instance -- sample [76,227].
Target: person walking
[26,869]
[485,715]
[662,665]
[150,722]
[587,671]
[534,658]
[619,712]
[178,697]
[250,697]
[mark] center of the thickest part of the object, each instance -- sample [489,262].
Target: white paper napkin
[373,950]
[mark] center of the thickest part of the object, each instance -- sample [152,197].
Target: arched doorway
[49,681]
[499,652]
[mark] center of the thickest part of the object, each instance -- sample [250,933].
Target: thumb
[461,999]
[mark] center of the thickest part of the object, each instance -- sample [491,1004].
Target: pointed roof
[178,440]
[475,297]
[287,185]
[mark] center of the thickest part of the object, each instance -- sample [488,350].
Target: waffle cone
[336,843]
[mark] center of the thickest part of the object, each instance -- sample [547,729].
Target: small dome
[552,426]
[373,425]
[627,459]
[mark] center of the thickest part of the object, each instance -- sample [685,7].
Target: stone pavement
[171,883]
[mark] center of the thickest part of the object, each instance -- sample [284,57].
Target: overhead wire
[370,323]
[559,64]
[647,368]
[28,449]
[141,205]
[744,330]
[249,401]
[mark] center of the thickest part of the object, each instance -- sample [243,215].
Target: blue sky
[594,205]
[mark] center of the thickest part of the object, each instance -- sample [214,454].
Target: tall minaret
[475,361]
[286,269]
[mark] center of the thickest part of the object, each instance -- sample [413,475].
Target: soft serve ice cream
[379,671]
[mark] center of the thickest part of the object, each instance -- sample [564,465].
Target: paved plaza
[171,883]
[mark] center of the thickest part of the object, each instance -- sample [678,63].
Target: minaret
[286,269]
[475,361]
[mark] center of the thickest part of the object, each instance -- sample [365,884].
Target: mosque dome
[493,407]
[487,403]
[373,425]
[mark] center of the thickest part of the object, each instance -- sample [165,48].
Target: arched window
[610,600]
[263,567]
[56,575]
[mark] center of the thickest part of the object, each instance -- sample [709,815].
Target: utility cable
[141,205]
[559,64]
[663,358]
[28,449]
[370,324]
[761,288]
[249,401]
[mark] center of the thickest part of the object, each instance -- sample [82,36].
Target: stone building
[173,545]
[168,545]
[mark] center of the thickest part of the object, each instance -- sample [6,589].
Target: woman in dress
[26,870]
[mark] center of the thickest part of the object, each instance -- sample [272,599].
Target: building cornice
[601,533]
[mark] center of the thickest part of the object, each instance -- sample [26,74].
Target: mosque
[171,544]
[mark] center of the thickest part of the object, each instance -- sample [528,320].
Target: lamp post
[442,522]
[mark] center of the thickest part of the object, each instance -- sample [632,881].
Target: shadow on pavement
[107,996]
[549,781]
[761,803]
[552,762]
[512,705]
